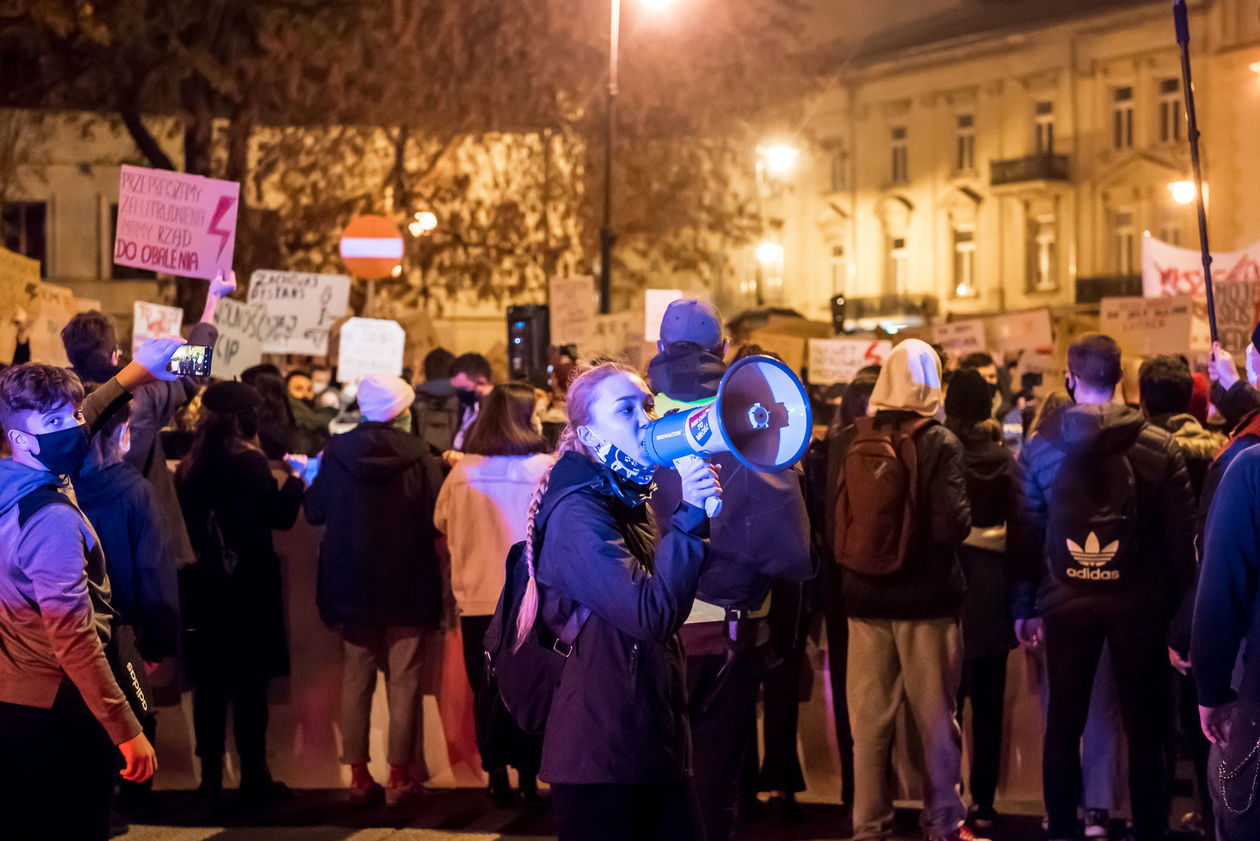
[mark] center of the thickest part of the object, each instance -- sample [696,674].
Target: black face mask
[64,451]
[1071,389]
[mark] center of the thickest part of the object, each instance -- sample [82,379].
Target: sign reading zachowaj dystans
[175,223]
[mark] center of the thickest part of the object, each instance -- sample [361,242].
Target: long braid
[586,376]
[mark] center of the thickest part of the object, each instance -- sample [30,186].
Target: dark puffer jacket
[620,712]
[376,490]
[930,585]
[762,533]
[1165,509]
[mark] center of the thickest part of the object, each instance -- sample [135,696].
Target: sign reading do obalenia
[175,223]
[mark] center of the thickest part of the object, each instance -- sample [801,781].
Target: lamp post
[774,161]
[606,235]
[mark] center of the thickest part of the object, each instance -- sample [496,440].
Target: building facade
[1013,154]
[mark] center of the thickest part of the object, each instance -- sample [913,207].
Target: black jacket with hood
[619,714]
[1165,510]
[762,532]
[376,490]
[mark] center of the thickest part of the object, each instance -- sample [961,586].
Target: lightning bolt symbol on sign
[225,204]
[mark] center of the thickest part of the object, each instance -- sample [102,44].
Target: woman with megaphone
[616,749]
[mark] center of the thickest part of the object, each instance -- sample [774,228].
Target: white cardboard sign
[242,333]
[837,360]
[1148,326]
[150,321]
[370,346]
[301,308]
[573,306]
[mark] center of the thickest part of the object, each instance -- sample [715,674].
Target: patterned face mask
[620,463]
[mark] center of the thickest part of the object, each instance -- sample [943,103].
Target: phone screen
[191,361]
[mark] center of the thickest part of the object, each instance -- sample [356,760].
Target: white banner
[837,360]
[1029,330]
[1169,271]
[301,308]
[960,338]
[370,346]
[573,305]
[151,321]
[242,333]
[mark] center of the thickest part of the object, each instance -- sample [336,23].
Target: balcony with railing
[1039,167]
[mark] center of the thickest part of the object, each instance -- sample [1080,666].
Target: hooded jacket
[1228,603]
[122,508]
[1198,446]
[1165,509]
[762,532]
[482,511]
[436,414]
[619,714]
[55,618]
[376,491]
[930,584]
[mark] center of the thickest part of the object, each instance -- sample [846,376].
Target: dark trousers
[58,771]
[781,703]
[984,681]
[617,812]
[1235,775]
[723,707]
[249,725]
[500,740]
[1187,698]
[837,666]
[1139,656]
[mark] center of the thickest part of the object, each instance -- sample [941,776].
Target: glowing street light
[779,158]
[1183,192]
[769,253]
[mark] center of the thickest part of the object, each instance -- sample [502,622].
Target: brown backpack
[876,496]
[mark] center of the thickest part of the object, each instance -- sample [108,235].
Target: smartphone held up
[191,361]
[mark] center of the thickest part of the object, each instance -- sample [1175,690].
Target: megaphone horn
[761,415]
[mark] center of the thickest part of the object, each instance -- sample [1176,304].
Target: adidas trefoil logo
[1092,556]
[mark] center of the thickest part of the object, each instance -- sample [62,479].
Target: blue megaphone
[761,415]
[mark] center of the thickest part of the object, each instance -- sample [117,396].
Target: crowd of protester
[943,517]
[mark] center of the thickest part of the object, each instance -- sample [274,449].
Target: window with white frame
[1123,243]
[900,156]
[965,262]
[897,266]
[1170,111]
[1043,253]
[1122,117]
[965,144]
[839,270]
[1044,123]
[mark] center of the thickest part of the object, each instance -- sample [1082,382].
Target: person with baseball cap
[761,535]
[379,580]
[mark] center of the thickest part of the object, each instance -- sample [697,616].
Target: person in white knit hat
[379,580]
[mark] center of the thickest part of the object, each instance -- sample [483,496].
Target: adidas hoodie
[1165,510]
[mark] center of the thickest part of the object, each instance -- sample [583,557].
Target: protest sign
[301,308]
[960,338]
[837,360]
[19,276]
[573,308]
[153,320]
[1169,271]
[176,223]
[655,302]
[1020,331]
[86,305]
[49,308]
[370,346]
[1148,326]
[613,335]
[242,333]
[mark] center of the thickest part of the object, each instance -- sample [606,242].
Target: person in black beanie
[986,613]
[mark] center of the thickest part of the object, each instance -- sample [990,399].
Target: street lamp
[1183,192]
[424,222]
[606,235]
[773,161]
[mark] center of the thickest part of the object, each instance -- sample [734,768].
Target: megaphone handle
[713,504]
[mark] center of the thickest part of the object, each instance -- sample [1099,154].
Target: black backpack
[1091,530]
[524,679]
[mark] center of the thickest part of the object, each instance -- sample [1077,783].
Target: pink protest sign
[175,223]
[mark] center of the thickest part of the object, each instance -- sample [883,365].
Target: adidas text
[1094,574]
